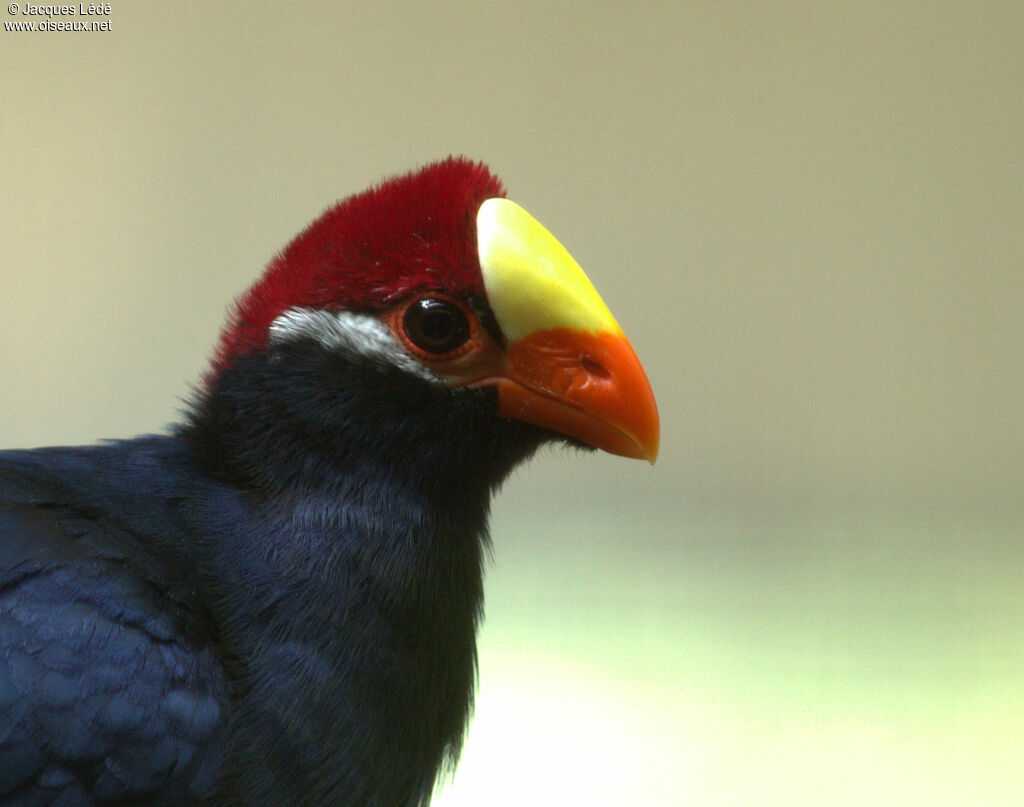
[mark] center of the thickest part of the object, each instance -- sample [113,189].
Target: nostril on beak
[594,369]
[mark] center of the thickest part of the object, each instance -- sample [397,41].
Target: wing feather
[110,688]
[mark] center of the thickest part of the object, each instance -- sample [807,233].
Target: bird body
[277,602]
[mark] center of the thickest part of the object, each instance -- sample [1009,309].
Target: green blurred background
[808,217]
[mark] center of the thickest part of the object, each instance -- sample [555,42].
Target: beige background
[807,217]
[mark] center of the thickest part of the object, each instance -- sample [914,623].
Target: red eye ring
[436,327]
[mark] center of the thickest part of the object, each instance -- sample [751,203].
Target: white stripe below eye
[348,331]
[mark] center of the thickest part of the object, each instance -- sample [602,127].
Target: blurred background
[808,217]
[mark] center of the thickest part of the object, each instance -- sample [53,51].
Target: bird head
[437,274]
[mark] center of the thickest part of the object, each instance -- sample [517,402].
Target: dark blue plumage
[277,603]
[110,685]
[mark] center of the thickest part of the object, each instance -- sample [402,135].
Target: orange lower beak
[588,386]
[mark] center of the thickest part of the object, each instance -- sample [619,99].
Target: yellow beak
[569,367]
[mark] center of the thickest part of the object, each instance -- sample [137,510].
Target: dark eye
[436,326]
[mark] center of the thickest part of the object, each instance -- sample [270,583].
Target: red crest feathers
[409,234]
